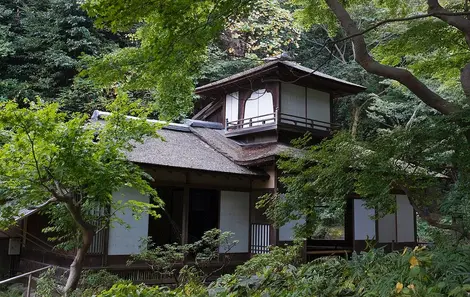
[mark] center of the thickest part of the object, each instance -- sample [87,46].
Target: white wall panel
[318,105]
[123,241]
[231,106]
[364,226]
[235,217]
[293,99]
[405,220]
[387,231]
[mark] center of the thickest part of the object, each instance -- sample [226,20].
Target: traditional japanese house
[211,170]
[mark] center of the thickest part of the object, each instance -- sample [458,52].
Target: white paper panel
[364,226]
[235,217]
[318,106]
[260,103]
[123,241]
[293,100]
[231,106]
[387,229]
[405,220]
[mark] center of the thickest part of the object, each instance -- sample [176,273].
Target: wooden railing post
[28,290]
[226,124]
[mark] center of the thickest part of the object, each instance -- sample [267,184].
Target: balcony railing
[276,118]
[260,238]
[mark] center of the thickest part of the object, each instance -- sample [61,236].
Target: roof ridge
[217,149]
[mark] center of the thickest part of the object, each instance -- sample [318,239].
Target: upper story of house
[276,101]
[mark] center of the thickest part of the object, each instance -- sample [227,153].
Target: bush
[418,272]
[14,290]
[93,282]
[46,285]
[213,245]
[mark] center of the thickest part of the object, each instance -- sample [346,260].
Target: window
[259,106]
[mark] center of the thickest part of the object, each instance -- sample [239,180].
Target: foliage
[420,159]
[412,272]
[71,167]
[172,38]
[94,282]
[124,289]
[163,259]
[11,291]
[67,155]
[46,285]
[41,42]
[268,29]
[91,283]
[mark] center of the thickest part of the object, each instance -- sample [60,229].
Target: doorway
[203,212]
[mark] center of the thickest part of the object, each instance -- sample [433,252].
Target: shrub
[418,272]
[11,291]
[93,282]
[163,259]
[46,285]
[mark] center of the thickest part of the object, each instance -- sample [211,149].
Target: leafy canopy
[40,45]
[47,157]
[172,38]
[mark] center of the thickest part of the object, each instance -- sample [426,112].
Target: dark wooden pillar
[185,220]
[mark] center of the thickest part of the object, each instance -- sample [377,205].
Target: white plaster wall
[235,217]
[231,106]
[286,232]
[364,226]
[405,220]
[259,103]
[123,241]
[318,106]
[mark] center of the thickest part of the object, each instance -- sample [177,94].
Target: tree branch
[453,19]
[78,218]
[403,76]
[405,19]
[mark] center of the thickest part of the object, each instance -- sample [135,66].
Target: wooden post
[185,220]
[28,290]
[25,230]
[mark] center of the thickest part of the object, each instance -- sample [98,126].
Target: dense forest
[60,60]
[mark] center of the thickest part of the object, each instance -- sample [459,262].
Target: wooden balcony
[278,121]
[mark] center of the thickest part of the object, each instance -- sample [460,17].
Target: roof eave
[344,88]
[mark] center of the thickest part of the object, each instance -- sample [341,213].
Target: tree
[70,168]
[172,39]
[410,159]
[42,42]
[268,29]
[166,52]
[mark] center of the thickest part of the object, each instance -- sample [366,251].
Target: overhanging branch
[405,19]
[401,75]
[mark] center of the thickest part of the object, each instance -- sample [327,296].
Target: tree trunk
[88,231]
[355,120]
[77,264]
